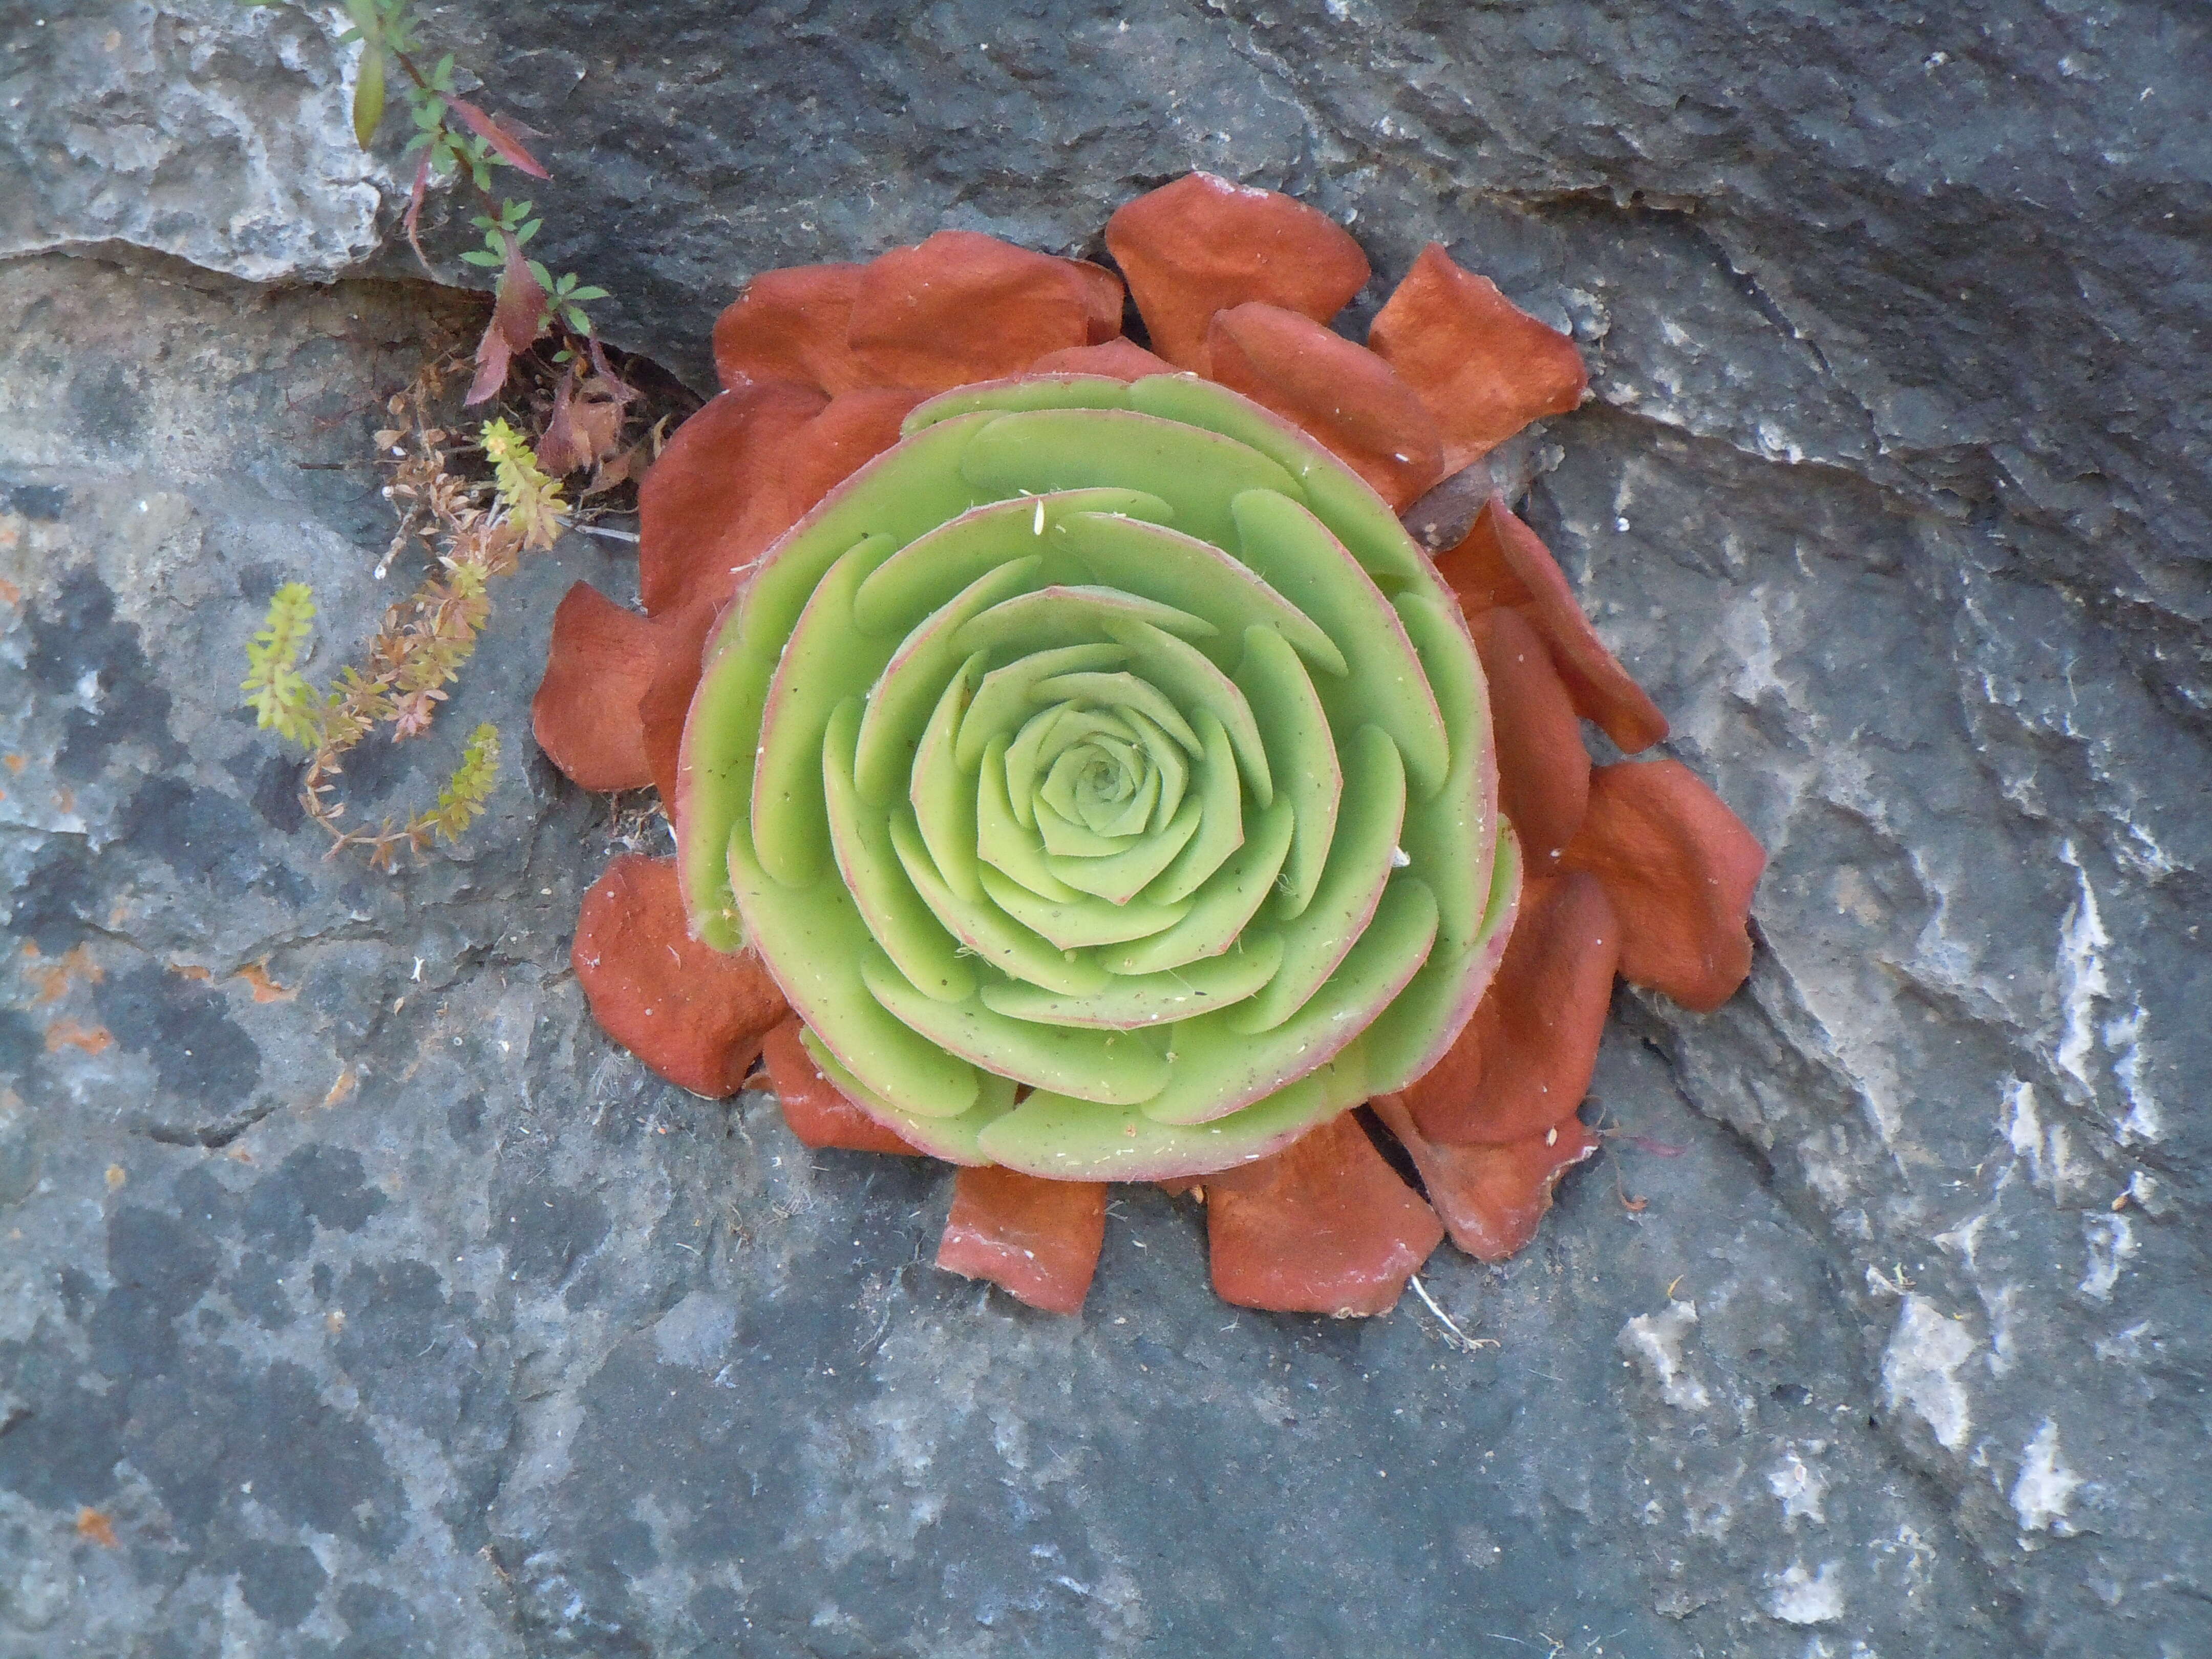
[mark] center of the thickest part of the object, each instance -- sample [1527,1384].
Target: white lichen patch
[1654,1343]
[2111,1241]
[2146,1119]
[2082,982]
[1797,1596]
[1798,1483]
[2046,1488]
[1920,1371]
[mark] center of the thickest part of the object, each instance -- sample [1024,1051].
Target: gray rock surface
[391,1310]
[208,129]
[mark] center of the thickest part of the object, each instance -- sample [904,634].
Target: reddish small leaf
[1038,1240]
[696,492]
[964,306]
[1124,360]
[517,317]
[1484,367]
[694,1015]
[1491,1197]
[681,641]
[488,128]
[817,1112]
[1502,561]
[1322,1227]
[1202,244]
[1543,770]
[813,459]
[1524,1062]
[584,714]
[1680,868]
[792,324]
[1341,395]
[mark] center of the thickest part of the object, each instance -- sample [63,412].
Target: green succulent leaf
[369,95]
[1111,741]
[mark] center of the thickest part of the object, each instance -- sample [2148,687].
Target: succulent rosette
[1080,775]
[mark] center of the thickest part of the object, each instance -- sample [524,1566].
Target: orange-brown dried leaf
[812,460]
[696,1016]
[964,306]
[792,324]
[1123,360]
[1202,244]
[1504,558]
[584,714]
[1037,1239]
[1491,1197]
[585,426]
[1484,367]
[1341,395]
[1680,868]
[692,500]
[1534,1036]
[815,1108]
[1543,770]
[1323,1226]
[96,1527]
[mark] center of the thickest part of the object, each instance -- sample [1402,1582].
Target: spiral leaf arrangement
[1113,742]
[1079,775]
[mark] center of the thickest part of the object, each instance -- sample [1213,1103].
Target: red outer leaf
[1037,1239]
[1524,1062]
[1485,367]
[584,714]
[486,128]
[697,490]
[680,639]
[1104,297]
[1680,868]
[1543,770]
[790,325]
[964,306]
[1340,394]
[817,1112]
[1202,244]
[1124,360]
[813,459]
[1322,1227]
[692,1014]
[516,318]
[1502,561]
[1491,1197]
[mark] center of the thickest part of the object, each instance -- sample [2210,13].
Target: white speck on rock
[1802,1597]
[2045,1489]
[1654,1342]
[1920,1371]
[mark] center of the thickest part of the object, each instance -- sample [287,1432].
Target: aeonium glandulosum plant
[1080,775]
